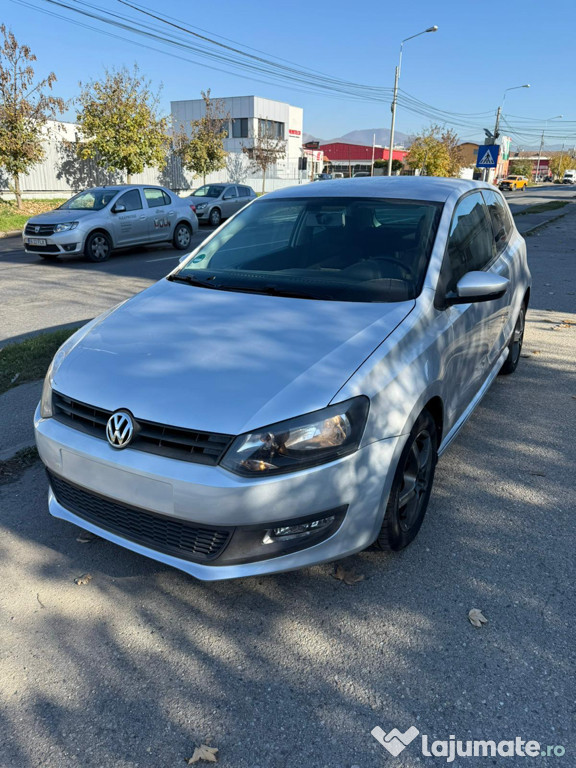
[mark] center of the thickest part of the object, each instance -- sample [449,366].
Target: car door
[471,246]
[506,264]
[230,201]
[160,214]
[129,226]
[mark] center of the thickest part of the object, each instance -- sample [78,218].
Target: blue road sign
[487,156]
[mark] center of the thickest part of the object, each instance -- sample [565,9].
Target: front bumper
[209,496]
[62,243]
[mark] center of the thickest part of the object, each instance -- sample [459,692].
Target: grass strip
[12,218]
[553,205]
[28,360]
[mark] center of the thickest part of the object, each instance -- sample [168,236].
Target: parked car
[360,174]
[323,177]
[215,202]
[99,220]
[513,183]
[337,175]
[569,177]
[281,398]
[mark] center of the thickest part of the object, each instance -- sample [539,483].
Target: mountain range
[365,137]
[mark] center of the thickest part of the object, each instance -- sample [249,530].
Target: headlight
[46,399]
[306,441]
[201,206]
[66,227]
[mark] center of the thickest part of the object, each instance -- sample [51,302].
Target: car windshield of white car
[343,249]
[209,190]
[91,200]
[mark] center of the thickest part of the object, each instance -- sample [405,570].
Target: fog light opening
[288,532]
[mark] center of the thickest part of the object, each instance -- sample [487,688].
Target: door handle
[142,218]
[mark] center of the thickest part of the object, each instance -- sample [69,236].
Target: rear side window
[471,243]
[131,200]
[502,222]
[156,197]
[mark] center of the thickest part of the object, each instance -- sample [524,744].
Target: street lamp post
[558,117]
[395,96]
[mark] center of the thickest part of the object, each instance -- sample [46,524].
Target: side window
[131,200]
[502,222]
[471,243]
[156,197]
[244,191]
[230,192]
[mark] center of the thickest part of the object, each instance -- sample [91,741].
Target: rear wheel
[98,247]
[411,486]
[515,345]
[182,236]
[215,217]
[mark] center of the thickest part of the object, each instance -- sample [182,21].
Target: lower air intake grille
[163,534]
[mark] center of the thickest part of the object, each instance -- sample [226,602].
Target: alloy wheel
[416,477]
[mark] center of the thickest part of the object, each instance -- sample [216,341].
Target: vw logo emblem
[36,229]
[120,429]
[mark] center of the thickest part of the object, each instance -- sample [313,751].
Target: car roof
[403,187]
[121,187]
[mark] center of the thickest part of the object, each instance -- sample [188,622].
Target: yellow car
[514,183]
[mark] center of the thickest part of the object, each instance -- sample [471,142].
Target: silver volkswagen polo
[282,397]
[98,220]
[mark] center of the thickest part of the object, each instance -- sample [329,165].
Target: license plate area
[36,241]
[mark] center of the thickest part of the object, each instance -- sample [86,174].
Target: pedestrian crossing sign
[487,156]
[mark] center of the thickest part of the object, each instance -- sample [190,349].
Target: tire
[98,247]
[515,344]
[182,236]
[416,468]
[215,217]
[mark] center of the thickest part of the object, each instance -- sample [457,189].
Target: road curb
[542,224]
[11,233]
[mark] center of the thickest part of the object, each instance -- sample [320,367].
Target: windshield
[343,249]
[208,190]
[91,200]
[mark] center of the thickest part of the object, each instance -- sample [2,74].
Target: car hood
[59,217]
[220,361]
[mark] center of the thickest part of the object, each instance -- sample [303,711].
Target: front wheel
[182,236]
[411,486]
[98,247]
[515,345]
[215,217]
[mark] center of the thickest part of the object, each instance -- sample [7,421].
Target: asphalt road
[143,663]
[38,295]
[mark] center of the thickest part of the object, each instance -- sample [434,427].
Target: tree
[202,151]
[560,163]
[435,151]
[120,123]
[25,107]
[397,165]
[266,149]
[237,166]
[520,168]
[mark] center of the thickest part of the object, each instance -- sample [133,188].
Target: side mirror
[478,286]
[119,208]
[183,258]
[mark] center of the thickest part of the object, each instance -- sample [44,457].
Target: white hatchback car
[282,397]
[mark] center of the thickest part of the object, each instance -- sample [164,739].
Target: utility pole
[558,117]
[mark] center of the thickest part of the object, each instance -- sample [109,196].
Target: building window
[271,128]
[240,128]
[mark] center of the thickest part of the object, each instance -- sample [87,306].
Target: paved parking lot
[143,662]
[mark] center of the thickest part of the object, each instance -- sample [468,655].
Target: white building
[248,116]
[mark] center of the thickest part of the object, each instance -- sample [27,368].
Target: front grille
[42,248]
[161,439]
[39,229]
[188,541]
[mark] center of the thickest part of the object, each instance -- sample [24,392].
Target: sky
[478,51]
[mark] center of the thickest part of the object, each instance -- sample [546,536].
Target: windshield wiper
[191,280]
[272,290]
